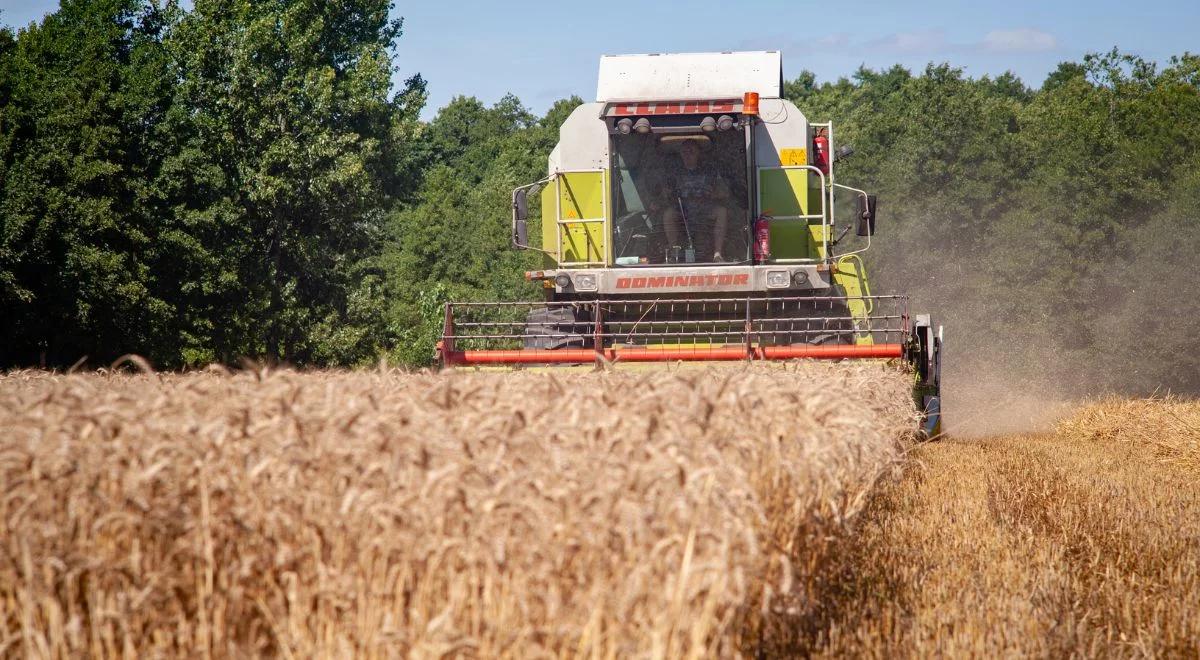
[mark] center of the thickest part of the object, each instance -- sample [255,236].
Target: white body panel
[667,280]
[586,141]
[686,76]
[783,126]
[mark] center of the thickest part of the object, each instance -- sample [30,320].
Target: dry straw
[615,514]
[1170,425]
[1078,543]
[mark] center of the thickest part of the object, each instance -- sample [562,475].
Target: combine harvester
[690,214]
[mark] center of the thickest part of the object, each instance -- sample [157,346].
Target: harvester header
[692,213]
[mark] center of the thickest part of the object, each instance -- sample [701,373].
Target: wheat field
[744,511]
[677,513]
[1083,541]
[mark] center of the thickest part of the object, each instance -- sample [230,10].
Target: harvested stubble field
[1080,542]
[612,514]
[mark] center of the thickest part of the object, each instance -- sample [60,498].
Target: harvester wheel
[928,363]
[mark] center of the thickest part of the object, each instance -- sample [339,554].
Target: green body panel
[816,240]
[851,278]
[549,226]
[575,196]
[797,239]
[790,239]
[583,243]
[816,230]
[783,195]
[816,201]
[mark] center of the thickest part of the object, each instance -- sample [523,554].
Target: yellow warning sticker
[793,156]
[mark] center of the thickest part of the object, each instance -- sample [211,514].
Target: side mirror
[520,211]
[864,210]
[845,151]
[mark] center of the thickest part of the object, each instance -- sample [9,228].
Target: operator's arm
[664,194]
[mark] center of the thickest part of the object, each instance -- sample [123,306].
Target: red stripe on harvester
[674,354]
[531,356]
[832,352]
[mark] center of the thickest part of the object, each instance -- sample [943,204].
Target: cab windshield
[680,198]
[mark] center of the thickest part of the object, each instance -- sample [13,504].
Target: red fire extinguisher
[762,238]
[821,152]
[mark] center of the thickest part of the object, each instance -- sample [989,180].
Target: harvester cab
[691,213]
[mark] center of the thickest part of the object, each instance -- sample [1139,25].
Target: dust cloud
[1001,377]
[1028,341]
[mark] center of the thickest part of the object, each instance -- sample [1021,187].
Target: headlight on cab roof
[778,279]
[586,282]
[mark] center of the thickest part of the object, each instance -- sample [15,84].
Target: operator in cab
[695,200]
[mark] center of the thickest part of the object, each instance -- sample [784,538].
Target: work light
[778,279]
[585,282]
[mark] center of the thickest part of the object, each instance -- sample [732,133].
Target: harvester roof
[687,76]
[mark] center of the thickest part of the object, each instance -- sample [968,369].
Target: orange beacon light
[750,103]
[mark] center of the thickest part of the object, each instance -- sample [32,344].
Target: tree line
[1055,229]
[199,185]
[243,180]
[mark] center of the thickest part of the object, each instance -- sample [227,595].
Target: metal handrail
[560,221]
[825,216]
[865,196]
[513,230]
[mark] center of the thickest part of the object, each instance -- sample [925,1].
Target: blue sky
[548,50]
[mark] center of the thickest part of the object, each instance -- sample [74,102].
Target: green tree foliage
[455,241]
[1050,228]
[80,97]
[285,159]
[199,185]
